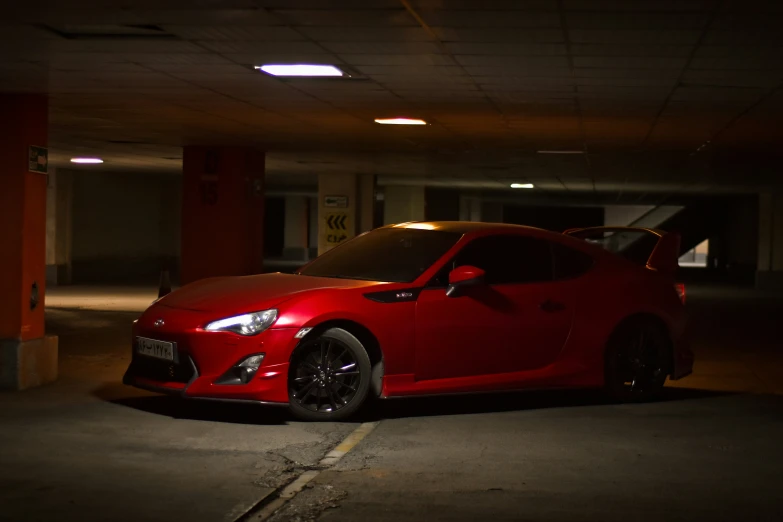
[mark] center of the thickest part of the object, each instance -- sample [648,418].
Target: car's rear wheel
[637,361]
[329,376]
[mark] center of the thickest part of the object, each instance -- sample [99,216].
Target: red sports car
[427,308]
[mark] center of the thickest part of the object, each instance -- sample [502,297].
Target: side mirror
[462,277]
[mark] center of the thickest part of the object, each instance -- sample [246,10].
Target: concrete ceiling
[650,89]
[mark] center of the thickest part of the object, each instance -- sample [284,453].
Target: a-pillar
[222,212]
[403,204]
[770,259]
[345,207]
[27,356]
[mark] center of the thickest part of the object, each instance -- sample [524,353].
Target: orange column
[27,358]
[222,212]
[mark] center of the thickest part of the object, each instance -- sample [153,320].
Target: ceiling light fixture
[561,152]
[522,185]
[399,121]
[86,160]
[301,69]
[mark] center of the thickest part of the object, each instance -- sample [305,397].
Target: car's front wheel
[329,376]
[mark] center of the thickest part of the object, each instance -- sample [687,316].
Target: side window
[508,259]
[569,263]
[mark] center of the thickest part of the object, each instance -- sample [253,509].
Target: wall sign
[38,159]
[336,201]
[337,227]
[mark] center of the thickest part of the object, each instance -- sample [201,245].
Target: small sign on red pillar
[38,159]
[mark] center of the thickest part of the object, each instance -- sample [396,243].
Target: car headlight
[246,324]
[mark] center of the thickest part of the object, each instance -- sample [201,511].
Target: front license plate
[153,348]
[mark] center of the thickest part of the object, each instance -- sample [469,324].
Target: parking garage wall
[126,227]
[742,237]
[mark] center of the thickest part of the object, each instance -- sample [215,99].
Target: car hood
[250,293]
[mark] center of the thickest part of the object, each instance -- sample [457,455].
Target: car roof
[465,227]
[471,227]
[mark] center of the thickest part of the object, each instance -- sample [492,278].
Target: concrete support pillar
[770,257]
[27,356]
[59,195]
[469,209]
[169,225]
[51,227]
[366,203]
[297,224]
[342,208]
[491,212]
[403,204]
[222,212]
[313,232]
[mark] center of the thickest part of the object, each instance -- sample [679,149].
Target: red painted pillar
[27,358]
[222,212]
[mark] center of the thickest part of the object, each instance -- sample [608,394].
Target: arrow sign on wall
[337,228]
[336,221]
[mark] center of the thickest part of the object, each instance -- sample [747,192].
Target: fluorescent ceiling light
[561,152]
[301,69]
[86,160]
[522,185]
[400,121]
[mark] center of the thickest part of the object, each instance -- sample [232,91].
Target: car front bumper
[202,358]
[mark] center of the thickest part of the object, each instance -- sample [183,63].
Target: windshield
[398,255]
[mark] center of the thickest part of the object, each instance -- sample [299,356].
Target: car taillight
[680,287]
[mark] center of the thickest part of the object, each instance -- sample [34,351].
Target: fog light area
[243,372]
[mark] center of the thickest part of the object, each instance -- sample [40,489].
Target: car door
[518,320]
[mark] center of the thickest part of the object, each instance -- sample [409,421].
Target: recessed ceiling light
[522,185]
[86,160]
[301,69]
[400,121]
[561,152]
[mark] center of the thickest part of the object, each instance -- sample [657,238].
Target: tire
[329,376]
[637,362]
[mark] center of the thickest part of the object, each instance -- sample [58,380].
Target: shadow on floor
[202,410]
[237,413]
[506,402]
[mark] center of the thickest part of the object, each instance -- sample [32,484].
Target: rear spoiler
[663,256]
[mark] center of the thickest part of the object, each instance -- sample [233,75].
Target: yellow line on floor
[330,459]
[348,443]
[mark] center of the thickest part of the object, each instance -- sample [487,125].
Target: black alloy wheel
[637,362]
[329,376]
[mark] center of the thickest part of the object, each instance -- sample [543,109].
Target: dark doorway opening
[274,227]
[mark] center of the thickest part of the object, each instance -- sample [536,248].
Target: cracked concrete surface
[694,456]
[708,451]
[88,448]
[310,504]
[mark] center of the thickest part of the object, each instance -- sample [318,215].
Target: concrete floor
[88,448]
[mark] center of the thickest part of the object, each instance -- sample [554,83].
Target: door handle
[551,306]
